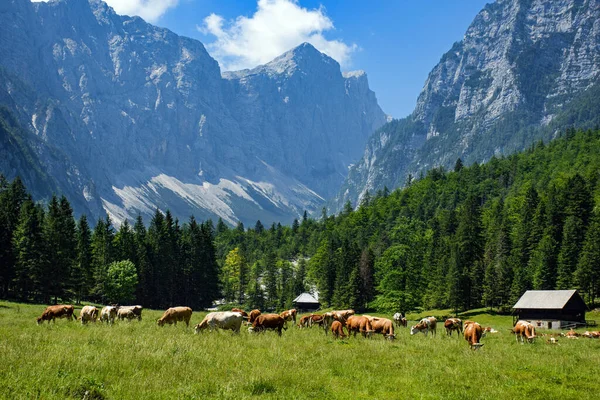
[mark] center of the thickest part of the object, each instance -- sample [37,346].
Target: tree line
[471,237]
[47,255]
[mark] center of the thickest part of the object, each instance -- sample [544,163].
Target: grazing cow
[253,315]
[358,323]
[571,334]
[383,326]
[87,314]
[524,329]
[175,314]
[108,314]
[304,321]
[59,311]
[227,320]
[425,325]
[592,335]
[399,320]
[337,329]
[289,315]
[473,334]
[268,321]
[327,320]
[315,319]
[129,312]
[453,324]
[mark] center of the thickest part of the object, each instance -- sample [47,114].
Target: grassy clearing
[141,360]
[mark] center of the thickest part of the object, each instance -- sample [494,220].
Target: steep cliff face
[520,63]
[142,118]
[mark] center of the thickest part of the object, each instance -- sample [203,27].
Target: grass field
[139,360]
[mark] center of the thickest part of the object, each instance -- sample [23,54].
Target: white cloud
[275,27]
[150,10]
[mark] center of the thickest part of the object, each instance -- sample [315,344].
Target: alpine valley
[123,117]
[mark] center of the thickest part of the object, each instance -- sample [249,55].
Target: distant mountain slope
[144,118]
[508,83]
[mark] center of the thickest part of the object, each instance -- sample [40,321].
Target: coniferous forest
[476,236]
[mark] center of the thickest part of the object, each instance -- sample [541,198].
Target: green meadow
[139,360]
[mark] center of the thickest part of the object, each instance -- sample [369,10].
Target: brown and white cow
[359,323]
[524,329]
[337,329]
[58,311]
[473,334]
[315,319]
[174,315]
[87,314]
[108,314]
[425,325]
[571,334]
[289,315]
[592,335]
[383,326]
[252,316]
[304,322]
[129,312]
[227,320]
[268,321]
[453,324]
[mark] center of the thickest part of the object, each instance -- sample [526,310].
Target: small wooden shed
[306,302]
[551,309]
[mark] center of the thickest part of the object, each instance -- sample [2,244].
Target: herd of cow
[341,323]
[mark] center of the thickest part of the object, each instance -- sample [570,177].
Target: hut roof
[306,298]
[546,299]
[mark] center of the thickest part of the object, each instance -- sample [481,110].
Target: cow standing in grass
[253,315]
[87,314]
[227,320]
[337,329]
[304,322]
[425,325]
[129,312]
[357,323]
[289,315]
[473,334]
[453,324]
[384,326]
[268,321]
[174,315]
[524,329]
[108,314]
[58,311]
[399,320]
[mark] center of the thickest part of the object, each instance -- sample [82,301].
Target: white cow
[425,325]
[108,314]
[399,319]
[223,320]
[88,313]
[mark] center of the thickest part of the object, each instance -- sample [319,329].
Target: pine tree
[31,262]
[366,278]
[271,281]
[12,197]
[256,298]
[573,237]
[141,260]
[543,263]
[587,274]
[84,274]
[102,255]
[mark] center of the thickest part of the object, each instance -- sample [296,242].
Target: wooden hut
[551,309]
[306,302]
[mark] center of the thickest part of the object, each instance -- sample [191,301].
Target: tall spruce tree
[84,274]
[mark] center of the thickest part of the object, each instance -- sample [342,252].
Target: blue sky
[397,42]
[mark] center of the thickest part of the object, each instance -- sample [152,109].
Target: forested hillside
[475,236]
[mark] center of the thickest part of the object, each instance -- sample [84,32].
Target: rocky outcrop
[143,118]
[520,63]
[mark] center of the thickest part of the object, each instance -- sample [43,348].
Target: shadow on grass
[259,387]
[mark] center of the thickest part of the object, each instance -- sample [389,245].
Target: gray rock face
[143,118]
[519,64]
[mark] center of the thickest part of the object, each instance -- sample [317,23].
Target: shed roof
[306,298]
[545,299]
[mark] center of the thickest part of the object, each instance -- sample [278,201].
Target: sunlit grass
[141,360]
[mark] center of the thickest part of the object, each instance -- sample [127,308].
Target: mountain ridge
[146,120]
